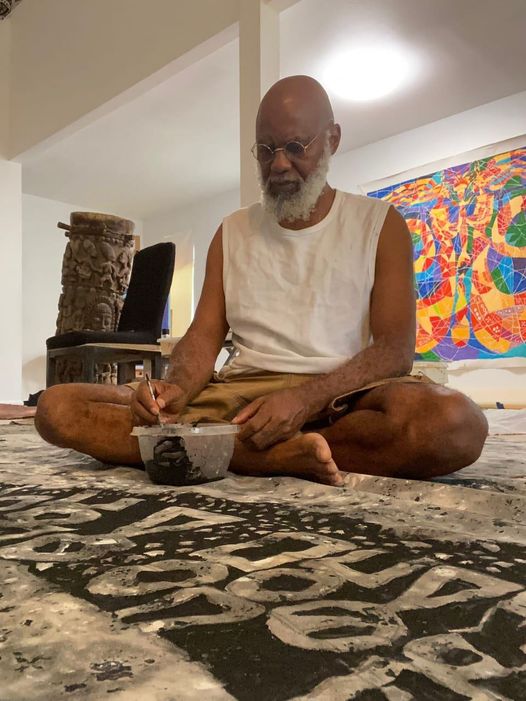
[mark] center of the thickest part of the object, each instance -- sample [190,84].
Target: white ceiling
[471,52]
[180,141]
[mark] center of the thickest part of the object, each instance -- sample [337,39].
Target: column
[10,241]
[11,281]
[258,70]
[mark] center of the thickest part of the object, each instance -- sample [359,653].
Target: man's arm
[193,358]
[393,326]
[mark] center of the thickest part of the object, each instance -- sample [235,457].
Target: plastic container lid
[185,430]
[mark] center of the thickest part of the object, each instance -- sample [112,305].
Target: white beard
[298,205]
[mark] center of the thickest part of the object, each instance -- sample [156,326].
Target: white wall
[487,124]
[195,224]
[43,248]
[5,74]
[10,281]
[10,239]
[486,386]
[191,228]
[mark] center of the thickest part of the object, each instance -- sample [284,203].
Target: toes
[340,480]
[329,474]
[336,477]
[331,480]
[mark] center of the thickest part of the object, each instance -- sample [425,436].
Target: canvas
[260,589]
[468,225]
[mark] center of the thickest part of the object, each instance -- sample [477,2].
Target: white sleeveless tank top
[298,301]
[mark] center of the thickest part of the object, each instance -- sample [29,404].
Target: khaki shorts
[222,399]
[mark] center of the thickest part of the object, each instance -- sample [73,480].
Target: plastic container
[182,454]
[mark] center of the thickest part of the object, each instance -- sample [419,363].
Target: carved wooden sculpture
[95,275]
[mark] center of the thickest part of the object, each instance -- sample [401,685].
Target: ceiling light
[366,73]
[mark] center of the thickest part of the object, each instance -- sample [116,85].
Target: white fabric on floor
[506,421]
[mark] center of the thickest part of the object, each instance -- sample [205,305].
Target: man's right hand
[170,399]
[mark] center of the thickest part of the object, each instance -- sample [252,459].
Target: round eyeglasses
[293,150]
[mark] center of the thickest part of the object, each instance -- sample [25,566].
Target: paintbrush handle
[148,382]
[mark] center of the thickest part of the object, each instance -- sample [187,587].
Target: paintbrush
[148,382]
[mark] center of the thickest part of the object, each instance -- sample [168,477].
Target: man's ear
[335,137]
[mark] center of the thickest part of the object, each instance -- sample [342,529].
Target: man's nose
[280,163]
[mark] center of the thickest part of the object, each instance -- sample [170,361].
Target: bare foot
[315,459]
[306,455]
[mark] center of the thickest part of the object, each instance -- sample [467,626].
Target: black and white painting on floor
[251,589]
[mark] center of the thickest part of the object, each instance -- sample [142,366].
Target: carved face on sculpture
[89,248]
[102,317]
[84,270]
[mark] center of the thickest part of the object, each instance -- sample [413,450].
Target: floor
[255,589]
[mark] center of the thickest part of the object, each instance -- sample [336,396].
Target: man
[317,287]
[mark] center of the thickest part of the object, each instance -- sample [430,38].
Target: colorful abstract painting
[468,225]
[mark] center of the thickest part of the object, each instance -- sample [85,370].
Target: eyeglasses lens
[294,149]
[264,153]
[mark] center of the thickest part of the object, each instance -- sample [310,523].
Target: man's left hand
[276,417]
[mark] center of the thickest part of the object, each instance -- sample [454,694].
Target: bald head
[298,99]
[296,112]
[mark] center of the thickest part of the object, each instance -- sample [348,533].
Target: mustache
[282,181]
[278,179]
